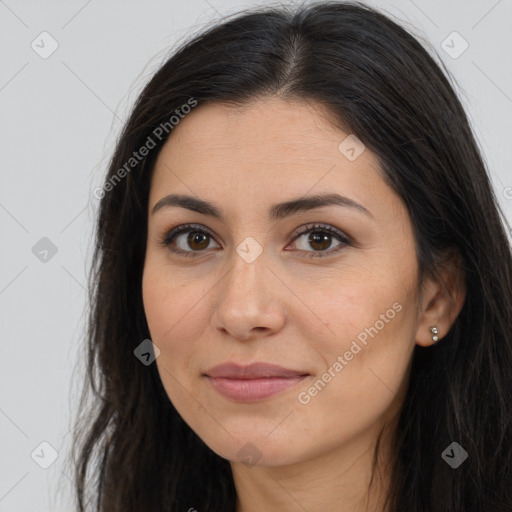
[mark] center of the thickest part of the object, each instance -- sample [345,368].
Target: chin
[256,450]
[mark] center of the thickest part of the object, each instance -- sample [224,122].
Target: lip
[254,382]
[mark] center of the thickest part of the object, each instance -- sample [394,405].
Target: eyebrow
[276,212]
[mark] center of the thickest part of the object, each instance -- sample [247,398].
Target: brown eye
[197,240]
[320,238]
[190,240]
[319,241]
[187,240]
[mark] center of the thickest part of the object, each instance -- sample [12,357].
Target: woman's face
[267,283]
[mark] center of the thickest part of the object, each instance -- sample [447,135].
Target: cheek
[173,314]
[157,298]
[367,336]
[365,363]
[171,310]
[348,304]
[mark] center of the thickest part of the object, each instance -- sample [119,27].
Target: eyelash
[308,228]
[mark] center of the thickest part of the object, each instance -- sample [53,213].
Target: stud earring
[434,332]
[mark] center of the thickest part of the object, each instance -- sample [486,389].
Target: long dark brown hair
[132,451]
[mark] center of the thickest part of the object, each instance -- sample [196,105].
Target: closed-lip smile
[253,382]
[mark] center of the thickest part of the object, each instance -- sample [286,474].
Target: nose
[248,301]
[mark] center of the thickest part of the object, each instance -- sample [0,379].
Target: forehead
[278,124]
[265,152]
[269,138]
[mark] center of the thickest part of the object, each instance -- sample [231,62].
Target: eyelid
[312,226]
[184,228]
[342,237]
[168,236]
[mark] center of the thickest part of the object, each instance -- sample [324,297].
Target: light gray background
[60,117]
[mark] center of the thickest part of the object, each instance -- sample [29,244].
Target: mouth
[254,382]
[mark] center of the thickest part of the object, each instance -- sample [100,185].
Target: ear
[442,299]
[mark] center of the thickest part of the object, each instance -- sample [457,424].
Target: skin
[285,308]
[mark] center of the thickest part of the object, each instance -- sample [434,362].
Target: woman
[301,286]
